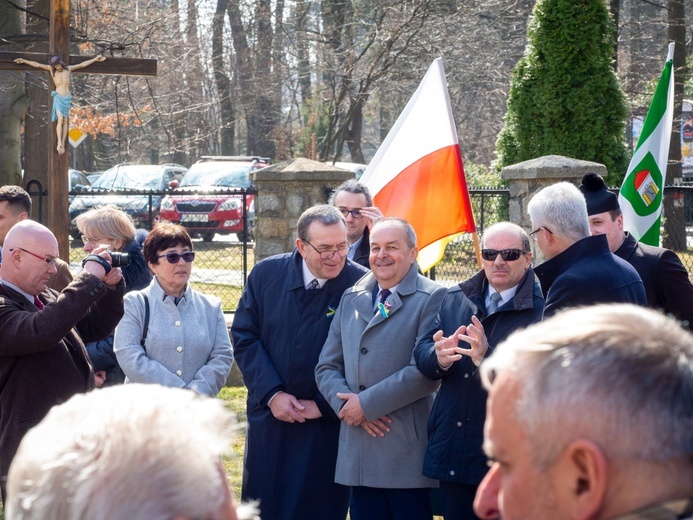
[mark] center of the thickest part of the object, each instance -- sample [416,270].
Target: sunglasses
[174,258]
[507,255]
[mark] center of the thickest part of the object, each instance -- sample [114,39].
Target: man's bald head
[27,253]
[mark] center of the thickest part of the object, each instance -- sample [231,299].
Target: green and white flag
[641,193]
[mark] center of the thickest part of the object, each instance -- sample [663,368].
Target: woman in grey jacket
[187,343]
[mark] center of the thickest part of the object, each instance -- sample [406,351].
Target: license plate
[194,217]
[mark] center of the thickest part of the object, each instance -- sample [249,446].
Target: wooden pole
[477,249]
[58,189]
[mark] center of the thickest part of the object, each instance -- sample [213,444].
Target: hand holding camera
[105,265]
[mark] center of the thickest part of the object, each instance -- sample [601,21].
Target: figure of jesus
[62,97]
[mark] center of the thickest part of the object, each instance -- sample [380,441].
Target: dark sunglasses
[506,254]
[174,258]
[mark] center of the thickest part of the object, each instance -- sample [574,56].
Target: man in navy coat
[475,316]
[278,331]
[666,280]
[580,269]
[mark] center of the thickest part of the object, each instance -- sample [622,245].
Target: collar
[28,296]
[679,509]
[354,247]
[159,293]
[506,295]
[308,276]
[588,247]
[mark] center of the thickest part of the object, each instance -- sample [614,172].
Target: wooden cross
[58,217]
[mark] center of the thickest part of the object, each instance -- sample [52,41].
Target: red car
[209,198]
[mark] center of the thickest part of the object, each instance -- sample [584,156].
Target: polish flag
[417,172]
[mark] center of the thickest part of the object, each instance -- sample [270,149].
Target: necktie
[493,304]
[383,296]
[38,303]
[314,284]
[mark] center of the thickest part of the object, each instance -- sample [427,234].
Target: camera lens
[119,259]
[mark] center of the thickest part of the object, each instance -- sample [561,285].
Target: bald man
[43,361]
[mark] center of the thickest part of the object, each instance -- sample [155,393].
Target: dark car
[144,181]
[209,199]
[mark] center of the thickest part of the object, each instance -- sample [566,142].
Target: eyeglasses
[328,255]
[49,261]
[86,239]
[174,258]
[356,213]
[533,234]
[507,255]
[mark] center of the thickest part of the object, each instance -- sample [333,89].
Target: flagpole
[477,249]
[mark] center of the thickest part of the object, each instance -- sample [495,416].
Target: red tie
[38,303]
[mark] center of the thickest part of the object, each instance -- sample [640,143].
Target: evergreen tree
[564,95]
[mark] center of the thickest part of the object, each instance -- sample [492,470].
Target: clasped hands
[287,408]
[352,414]
[448,351]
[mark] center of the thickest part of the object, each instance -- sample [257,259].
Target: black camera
[119,259]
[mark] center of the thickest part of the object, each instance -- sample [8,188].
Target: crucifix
[58,218]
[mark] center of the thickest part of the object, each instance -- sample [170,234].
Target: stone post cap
[302,169]
[552,167]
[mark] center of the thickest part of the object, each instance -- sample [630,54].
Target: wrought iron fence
[224,259]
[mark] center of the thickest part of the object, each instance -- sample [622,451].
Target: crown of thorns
[55,60]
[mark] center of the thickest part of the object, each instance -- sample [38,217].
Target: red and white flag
[417,172]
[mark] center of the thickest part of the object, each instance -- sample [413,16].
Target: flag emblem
[646,186]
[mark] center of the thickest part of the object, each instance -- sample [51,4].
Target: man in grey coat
[367,374]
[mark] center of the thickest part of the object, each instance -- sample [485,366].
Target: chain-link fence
[220,222]
[224,258]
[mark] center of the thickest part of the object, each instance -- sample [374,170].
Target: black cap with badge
[599,199]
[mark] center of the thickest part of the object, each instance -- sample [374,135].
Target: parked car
[207,201]
[357,168]
[77,182]
[137,178]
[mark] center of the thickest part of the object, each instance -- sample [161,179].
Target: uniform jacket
[363,251]
[42,357]
[665,278]
[278,331]
[456,423]
[371,355]
[187,345]
[586,273]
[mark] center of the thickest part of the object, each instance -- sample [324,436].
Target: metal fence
[491,206]
[223,258]
[223,261]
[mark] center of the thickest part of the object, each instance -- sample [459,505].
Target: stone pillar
[284,191]
[528,177]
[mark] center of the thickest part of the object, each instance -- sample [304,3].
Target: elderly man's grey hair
[324,213]
[618,375]
[561,208]
[408,228]
[130,451]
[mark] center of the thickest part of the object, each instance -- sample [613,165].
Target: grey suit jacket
[371,355]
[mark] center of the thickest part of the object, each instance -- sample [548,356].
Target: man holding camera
[43,361]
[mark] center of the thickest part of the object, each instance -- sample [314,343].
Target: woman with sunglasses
[171,334]
[109,225]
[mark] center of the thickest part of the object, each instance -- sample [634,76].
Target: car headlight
[229,204]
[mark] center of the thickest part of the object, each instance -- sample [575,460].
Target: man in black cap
[665,278]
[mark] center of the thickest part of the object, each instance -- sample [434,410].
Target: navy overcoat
[278,331]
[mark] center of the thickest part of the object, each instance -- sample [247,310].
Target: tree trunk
[223,84]
[13,105]
[674,227]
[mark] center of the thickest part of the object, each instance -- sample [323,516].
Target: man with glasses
[475,316]
[278,330]
[43,361]
[15,206]
[580,269]
[367,374]
[354,201]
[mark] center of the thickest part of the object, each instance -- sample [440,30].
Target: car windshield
[217,174]
[133,177]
